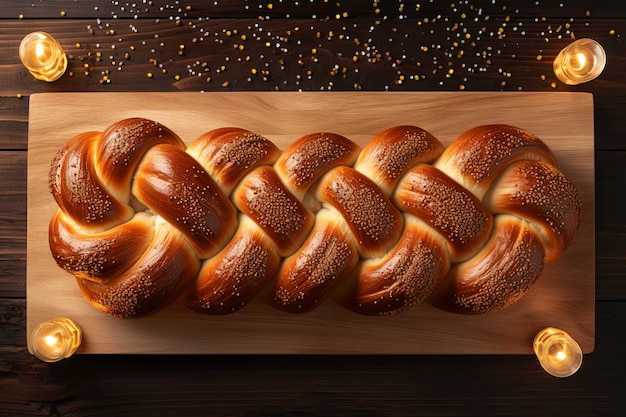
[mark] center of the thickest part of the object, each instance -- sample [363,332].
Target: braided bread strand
[144,220]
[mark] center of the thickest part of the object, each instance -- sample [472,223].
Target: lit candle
[579,62]
[54,340]
[558,353]
[43,56]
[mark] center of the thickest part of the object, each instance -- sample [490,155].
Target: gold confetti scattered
[149,75]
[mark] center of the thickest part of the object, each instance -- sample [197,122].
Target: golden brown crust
[404,277]
[373,220]
[79,191]
[324,261]
[476,157]
[174,186]
[545,197]
[228,154]
[143,220]
[454,212]
[99,257]
[230,280]
[152,283]
[498,276]
[310,157]
[262,197]
[122,146]
[393,151]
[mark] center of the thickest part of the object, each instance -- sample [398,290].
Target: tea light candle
[558,353]
[55,339]
[579,62]
[43,56]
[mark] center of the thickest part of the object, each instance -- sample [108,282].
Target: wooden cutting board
[563,296]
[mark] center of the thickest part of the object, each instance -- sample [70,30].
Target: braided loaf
[144,220]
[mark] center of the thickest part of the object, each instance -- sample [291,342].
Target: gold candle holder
[579,62]
[55,339]
[558,353]
[43,56]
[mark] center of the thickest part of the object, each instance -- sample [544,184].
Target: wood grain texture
[314,385]
[563,297]
[322,9]
[310,385]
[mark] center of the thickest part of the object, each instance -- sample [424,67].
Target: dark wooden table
[312,45]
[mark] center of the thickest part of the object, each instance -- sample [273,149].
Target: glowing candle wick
[558,353]
[39,51]
[51,340]
[43,56]
[579,62]
[55,339]
[582,61]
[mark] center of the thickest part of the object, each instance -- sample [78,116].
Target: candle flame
[582,60]
[51,340]
[39,50]
[560,355]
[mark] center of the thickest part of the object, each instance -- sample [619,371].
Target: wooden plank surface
[563,297]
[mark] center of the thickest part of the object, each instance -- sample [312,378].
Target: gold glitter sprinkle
[149,75]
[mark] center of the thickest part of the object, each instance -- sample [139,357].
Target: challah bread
[144,221]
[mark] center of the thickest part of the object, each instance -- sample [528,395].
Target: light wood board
[563,297]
